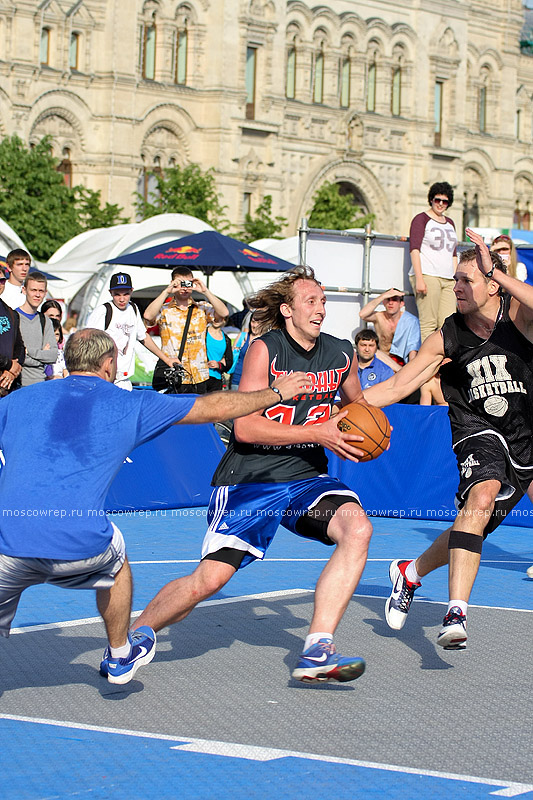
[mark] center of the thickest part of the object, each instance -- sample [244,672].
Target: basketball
[370,422]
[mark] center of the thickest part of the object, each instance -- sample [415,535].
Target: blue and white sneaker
[452,635]
[122,670]
[321,663]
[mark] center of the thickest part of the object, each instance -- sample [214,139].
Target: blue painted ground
[91,764]
[46,762]
[178,534]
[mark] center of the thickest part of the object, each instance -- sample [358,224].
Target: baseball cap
[120,280]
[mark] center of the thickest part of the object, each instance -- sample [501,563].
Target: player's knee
[211,577]
[351,527]
[483,495]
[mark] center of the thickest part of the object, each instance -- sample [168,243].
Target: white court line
[305,560]
[254,753]
[71,623]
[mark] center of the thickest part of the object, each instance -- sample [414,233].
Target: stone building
[280,96]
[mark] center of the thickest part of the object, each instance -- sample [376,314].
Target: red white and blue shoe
[399,602]
[122,670]
[452,635]
[321,663]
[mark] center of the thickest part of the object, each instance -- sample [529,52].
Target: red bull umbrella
[207,251]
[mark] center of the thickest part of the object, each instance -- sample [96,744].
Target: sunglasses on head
[443,200]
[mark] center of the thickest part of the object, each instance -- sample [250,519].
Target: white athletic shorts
[16,574]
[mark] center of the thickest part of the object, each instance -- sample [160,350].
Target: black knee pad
[461,540]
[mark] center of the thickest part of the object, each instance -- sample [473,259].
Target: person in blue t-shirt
[79,431]
[371,370]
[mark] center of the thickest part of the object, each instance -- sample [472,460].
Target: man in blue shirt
[371,369]
[79,431]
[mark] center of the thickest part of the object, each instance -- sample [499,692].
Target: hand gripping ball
[369,422]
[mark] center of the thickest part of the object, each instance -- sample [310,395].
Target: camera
[187,284]
[174,377]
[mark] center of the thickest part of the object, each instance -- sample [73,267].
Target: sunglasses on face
[2,280]
[443,200]
[187,284]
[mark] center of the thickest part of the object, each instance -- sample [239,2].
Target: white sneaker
[530,572]
[399,602]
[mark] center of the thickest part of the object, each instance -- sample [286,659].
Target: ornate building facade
[280,96]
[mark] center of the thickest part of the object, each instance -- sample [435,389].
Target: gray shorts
[16,574]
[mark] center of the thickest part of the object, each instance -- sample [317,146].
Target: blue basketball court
[217,714]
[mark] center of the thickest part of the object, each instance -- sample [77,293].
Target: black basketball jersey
[327,366]
[489,383]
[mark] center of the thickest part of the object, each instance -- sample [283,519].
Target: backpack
[109,313]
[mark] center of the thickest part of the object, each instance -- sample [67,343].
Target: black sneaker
[452,635]
[398,604]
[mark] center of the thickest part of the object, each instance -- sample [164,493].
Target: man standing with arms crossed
[58,532]
[488,349]
[274,471]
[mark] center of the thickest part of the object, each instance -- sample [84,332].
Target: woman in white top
[433,246]
[504,246]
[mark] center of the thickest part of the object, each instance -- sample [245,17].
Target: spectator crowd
[196,355]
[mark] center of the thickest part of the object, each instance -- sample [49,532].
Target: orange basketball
[370,422]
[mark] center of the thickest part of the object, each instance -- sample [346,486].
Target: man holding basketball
[486,349]
[274,472]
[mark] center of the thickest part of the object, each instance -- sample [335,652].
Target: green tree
[38,205]
[262,225]
[185,190]
[33,197]
[335,211]
[90,212]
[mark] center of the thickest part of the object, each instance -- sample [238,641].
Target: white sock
[120,652]
[411,574]
[458,604]
[313,638]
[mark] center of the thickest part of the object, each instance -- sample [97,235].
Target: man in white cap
[122,320]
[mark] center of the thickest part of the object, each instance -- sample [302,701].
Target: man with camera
[122,320]
[183,325]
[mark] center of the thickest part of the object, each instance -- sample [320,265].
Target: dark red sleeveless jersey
[489,383]
[327,366]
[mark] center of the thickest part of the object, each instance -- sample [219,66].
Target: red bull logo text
[185,253]
[257,258]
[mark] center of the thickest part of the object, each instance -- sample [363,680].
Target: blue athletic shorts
[246,516]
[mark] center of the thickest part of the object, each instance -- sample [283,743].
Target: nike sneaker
[122,670]
[398,604]
[321,663]
[452,635]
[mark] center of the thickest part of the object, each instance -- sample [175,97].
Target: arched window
[438,97]
[182,46]
[345,81]
[318,77]
[65,167]
[74,51]
[396,93]
[44,48]
[147,55]
[290,83]
[251,67]
[371,87]
[482,109]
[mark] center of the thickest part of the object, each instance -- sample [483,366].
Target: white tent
[9,240]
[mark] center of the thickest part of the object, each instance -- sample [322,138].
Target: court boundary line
[258,753]
[305,560]
[72,623]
